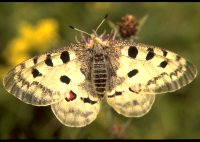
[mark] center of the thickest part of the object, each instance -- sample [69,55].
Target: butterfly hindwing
[77,112]
[130,104]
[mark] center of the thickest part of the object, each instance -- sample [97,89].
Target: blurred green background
[27,29]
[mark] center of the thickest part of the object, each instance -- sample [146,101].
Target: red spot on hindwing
[71,96]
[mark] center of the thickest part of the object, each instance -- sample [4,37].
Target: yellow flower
[14,50]
[31,38]
[46,31]
[26,31]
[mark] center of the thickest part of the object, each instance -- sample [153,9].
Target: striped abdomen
[99,75]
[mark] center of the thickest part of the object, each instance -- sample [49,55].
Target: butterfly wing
[130,104]
[78,112]
[55,79]
[143,71]
[150,70]
[45,79]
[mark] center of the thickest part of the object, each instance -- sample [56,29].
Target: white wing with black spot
[150,70]
[55,79]
[130,104]
[77,112]
[143,71]
[45,79]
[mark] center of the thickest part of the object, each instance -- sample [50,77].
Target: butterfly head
[95,39]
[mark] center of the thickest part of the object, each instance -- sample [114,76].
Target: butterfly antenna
[83,32]
[101,22]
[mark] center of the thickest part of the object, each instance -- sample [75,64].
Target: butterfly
[75,79]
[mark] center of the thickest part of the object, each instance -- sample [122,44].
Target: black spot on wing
[115,94]
[132,52]
[163,64]
[48,61]
[88,100]
[150,49]
[164,53]
[36,73]
[132,73]
[35,60]
[178,58]
[65,56]
[150,54]
[22,66]
[118,93]
[65,79]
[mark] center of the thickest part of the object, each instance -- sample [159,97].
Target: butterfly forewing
[45,79]
[150,70]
